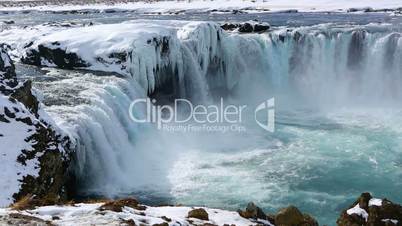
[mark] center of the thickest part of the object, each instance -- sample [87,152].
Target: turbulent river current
[338,116]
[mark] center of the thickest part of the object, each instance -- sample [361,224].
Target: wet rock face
[368,211]
[45,151]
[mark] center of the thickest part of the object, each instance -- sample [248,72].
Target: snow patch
[390,220]
[358,211]
[375,202]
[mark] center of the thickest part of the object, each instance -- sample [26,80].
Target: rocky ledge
[130,212]
[34,152]
[365,211]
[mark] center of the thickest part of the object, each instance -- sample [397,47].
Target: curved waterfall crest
[326,66]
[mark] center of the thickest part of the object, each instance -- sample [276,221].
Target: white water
[338,116]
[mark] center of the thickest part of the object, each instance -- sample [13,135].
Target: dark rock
[229,26]
[199,214]
[3,119]
[58,56]
[246,28]
[290,11]
[364,200]
[24,95]
[166,219]
[351,10]
[9,22]
[261,27]
[282,38]
[129,222]
[291,216]
[7,68]
[121,56]
[253,211]
[387,214]
[25,120]
[8,113]
[236,11]
[309,220]
[385,10]
[117,206]
[110,11]
[368,10]
[161,224]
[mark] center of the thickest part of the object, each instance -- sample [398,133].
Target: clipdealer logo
[267,107]
[214,117]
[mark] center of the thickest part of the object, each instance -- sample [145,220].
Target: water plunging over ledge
[338,119]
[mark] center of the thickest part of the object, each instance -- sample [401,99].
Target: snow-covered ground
[12,140]
[89,214]
[204,5]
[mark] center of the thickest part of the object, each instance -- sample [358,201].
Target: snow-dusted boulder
[369,211]
[33,151]
[288,216]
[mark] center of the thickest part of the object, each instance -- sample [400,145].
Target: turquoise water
[320,164]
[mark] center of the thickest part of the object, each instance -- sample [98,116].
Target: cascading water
[338,125]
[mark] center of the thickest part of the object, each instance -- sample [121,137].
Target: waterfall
[321,66]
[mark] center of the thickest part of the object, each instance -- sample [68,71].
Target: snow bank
[89,214]
[204,5]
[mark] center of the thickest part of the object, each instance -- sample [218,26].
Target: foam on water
[320,169]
